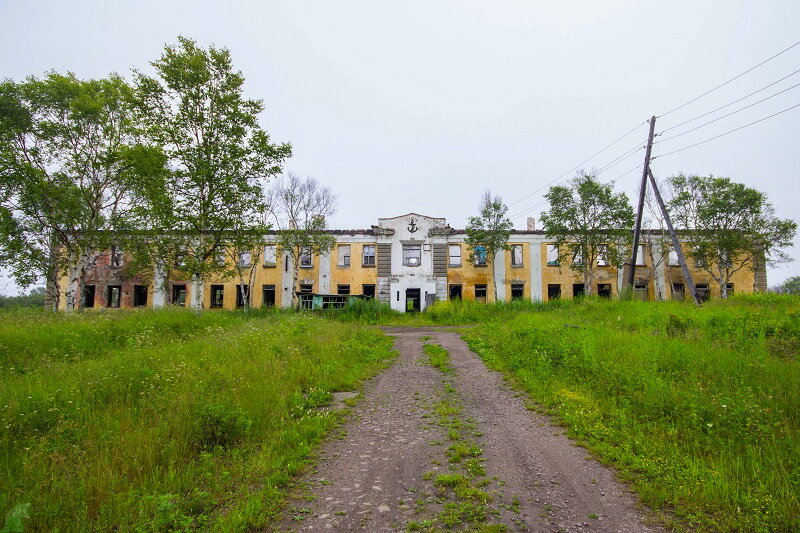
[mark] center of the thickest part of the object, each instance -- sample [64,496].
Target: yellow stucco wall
[356,275]
[521,274]
[468,275]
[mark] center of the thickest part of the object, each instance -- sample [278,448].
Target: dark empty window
[702,291]
[242,295]
[678,291]
[604,290]
[306,295]
[640,292]
[217,295]
[480,292]
[140,295]
[368,290]
[553,291]
[517,291]
[269,296]
[455,292]
[729,288]
[88,295]
[113,295]
[179,294]
[343,289]
[578,290]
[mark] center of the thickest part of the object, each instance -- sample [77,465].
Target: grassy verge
[167,421]
[699,408]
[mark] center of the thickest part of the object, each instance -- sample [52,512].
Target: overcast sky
[421,106]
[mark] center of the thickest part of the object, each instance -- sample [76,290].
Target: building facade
[409,262]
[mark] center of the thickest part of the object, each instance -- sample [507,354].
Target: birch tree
[219,157]
[68,155]
[300,208]
[731,226]
[588,221]
[488,232]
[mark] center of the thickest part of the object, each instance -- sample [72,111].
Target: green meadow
[163,420]
[171,421]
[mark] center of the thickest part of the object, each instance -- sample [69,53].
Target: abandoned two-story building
[409,262]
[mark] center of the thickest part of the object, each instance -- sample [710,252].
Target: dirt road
[455,448]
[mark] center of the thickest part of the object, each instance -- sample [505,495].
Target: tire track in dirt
[378,474]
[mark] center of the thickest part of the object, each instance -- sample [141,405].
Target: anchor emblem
[412,225]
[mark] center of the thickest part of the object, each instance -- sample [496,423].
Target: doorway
[412,300]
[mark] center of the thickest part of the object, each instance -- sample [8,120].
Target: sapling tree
[219,157]
[488,232]
[731,226]
[68,157]
[588,222]
[300,208]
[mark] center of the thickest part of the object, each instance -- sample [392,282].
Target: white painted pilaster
[499,267]
[286,281]
[324,281]
[159,293]
[536,271]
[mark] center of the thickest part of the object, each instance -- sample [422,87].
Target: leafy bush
[217,424]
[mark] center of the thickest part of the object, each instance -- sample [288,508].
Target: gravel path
[381,473]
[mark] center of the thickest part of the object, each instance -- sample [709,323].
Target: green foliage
[588,221]
[68,157]
[438,357]
[487,233]
[731,226]
[163,421]
[34,298]
[15,518]
[219,159]
[699,408]
[791,285]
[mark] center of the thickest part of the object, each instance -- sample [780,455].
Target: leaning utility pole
[687,276]
[638,227]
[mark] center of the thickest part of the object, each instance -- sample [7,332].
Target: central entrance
[412,300]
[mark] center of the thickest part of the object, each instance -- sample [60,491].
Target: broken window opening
[604,290]
[88,295]
[116,256]
[455,255]
[368,290]
[270,255]
[678,292]
[729,288]
[553,291]
[217,295]
[602,255]
[517,291]
[179,294]
[268,296]
[242,295]
[343,289]
[455,291]
[140,295]
[552,255]
[640,292]
[673,257]
[578,290]
[412,255]
[479,255]
[113,295]
[480,293]
[306,259]
[245,258]
[344,255]
[703,294]
[306,295]
[368,255]
[516,255]
[641,260]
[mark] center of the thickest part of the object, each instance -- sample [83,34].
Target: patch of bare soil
[427,450]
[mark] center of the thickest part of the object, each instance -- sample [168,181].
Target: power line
[730,103]
[729,132]
[726,115]
[618,160]
[579,165]
[729,81]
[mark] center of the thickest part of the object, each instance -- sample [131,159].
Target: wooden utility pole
[687,276]
[638,227]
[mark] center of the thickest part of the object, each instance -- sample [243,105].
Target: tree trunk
[588,279]
[76,270]
[197,293]
[494,277]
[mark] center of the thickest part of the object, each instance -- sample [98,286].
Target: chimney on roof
[531,224]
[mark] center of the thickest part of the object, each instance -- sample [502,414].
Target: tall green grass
[199,426]
[699,408]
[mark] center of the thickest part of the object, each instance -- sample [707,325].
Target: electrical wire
[618,160]
[729,81]
[725,115]
[579,165]
[728,104]
[727,132]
